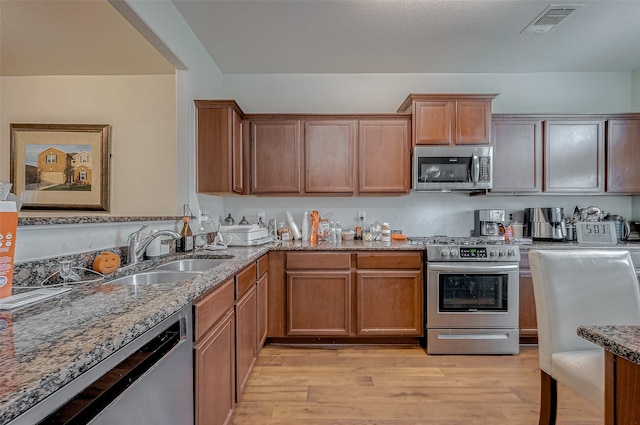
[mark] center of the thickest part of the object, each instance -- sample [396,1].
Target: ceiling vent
[550,18]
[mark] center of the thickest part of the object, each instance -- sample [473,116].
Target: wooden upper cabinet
[384,156]
[623,156]
[574,156]
[434,123]
[219,148]
[517,155]
[473,122]
[330,156]
[276,152]
[450,119]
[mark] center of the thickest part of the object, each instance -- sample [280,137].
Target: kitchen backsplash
[417,214]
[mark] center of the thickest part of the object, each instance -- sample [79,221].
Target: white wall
[418,214]
[141,111]
[635,90]
[354,93]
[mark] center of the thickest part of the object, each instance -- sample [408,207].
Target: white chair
[572,288]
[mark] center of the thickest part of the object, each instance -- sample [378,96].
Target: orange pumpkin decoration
[106,262]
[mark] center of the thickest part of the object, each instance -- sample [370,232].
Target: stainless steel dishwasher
[149,381]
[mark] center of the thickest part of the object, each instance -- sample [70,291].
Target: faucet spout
[144,244]
[137,247]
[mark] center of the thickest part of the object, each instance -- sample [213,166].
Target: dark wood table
[621,370]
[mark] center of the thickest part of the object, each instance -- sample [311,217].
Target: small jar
[385,232]
[283,232]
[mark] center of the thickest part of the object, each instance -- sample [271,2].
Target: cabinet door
[473,122]
[384,156]
[527,307]
[389,303]
[574,156]
[263,290]
[219,157]
[330,156]
[517,156]
[433,122]
[215,374]
[318,303]
[246,338]
[623,154]
[276,151]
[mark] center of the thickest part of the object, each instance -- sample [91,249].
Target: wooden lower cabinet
[214,356]
[262,289]
[389,303]
[215,378]
[246,338]
[318,303]
[331,294]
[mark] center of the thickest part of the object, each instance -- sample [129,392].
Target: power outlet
[362,215]
[262,216]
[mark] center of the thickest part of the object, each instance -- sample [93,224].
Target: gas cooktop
[457,240]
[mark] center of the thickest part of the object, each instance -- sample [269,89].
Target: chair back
[580,287]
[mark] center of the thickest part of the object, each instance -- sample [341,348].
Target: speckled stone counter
[623,341]
[349,246]
[45,346]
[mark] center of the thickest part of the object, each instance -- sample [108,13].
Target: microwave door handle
[475,169]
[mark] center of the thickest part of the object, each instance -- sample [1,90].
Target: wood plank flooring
[398,386]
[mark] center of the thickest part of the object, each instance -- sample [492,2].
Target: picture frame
[61,166]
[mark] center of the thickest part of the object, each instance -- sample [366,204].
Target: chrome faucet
[137,247]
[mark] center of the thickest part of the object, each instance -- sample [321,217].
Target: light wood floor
[398,386]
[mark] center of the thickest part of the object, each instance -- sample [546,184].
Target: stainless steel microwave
[447,168]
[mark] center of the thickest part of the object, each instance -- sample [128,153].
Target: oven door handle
[474,268]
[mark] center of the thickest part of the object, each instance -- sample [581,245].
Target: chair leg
[548,399]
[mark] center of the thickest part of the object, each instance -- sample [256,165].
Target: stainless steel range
[471,295]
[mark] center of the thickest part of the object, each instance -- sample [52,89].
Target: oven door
[472,295]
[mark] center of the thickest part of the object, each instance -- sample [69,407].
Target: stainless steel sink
[193,264]
[153,278]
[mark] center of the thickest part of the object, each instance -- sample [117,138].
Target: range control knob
[503,252]
[454,252]
[444,252]
[493,253]
[511,253]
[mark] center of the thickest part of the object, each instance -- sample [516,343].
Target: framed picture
[61,166]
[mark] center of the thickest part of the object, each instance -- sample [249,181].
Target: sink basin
[193,264]
[153,278]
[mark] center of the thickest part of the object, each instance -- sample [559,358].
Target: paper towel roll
[294,227]
[305,226]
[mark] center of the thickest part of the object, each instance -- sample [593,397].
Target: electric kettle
[622,226]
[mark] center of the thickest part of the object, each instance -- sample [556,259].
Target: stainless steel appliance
[471,296]
[464,168]
[149,381]
[545,224]
[634,231]
[487,222]
[623,229]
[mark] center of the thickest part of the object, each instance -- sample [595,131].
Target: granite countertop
[349,246]
[621,340]
[49,344]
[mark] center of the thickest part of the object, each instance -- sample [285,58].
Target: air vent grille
[550,18]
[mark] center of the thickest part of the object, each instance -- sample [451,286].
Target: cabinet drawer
[245,279]
[211,307]
[323,260]
[263,265]
[389,260]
